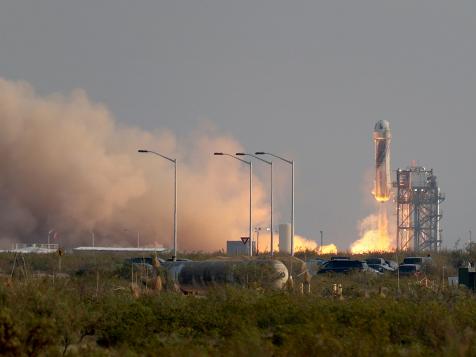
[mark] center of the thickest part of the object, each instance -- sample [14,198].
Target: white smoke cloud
[66,164]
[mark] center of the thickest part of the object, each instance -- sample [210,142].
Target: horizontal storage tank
[191,276]
[285,238]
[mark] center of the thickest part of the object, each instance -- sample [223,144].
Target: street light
[270,163]
[52,232]
[251,194]
[291,162]
[174,161]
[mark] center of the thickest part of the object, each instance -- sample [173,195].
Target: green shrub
[96,314]
[10,338]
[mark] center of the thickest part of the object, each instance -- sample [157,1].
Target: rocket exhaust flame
[375,234]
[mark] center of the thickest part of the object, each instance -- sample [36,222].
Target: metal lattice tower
[418,210]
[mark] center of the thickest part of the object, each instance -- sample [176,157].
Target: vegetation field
[95,305]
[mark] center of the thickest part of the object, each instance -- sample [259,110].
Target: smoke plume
[67,165]
[376,233]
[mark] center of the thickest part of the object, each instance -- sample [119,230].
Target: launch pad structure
[418,210]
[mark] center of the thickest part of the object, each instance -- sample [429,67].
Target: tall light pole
[270,163]
[174,161]
[291,162]
[52,231]
[251,196]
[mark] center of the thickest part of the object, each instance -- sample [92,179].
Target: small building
[236,248]
[467,277]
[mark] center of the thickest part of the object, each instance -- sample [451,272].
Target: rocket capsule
[382,139]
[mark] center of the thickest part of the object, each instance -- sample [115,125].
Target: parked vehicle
[314,265]
[375,261]
[340,258]
[379,264]
[345,266]
[422,263]
[417,260]
[382,268]
[392,264]
[409,269]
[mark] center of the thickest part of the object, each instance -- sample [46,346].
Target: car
[340,258]
[392,264]
[314,265]
[382,268]
[422,262]
[345,266]
[375,261]
[409,269]
[417,260]
[317,261]
[379,264]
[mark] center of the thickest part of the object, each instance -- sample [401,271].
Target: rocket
[382,137]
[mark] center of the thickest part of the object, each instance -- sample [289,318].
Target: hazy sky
[306,79]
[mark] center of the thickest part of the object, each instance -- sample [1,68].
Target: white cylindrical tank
[198,277]
[285,238]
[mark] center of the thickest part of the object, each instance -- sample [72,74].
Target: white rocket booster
[382,139]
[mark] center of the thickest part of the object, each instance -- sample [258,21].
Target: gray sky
[307,79]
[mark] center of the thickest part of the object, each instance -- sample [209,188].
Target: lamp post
[291,162]
[270,163]
[51,232]
[174,161]
[257,230]
[251,195]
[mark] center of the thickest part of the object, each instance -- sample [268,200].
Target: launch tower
[418,210]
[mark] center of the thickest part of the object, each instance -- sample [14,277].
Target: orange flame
[380,195]
[301,244]
[328,249]
[384,198]
[374,234]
